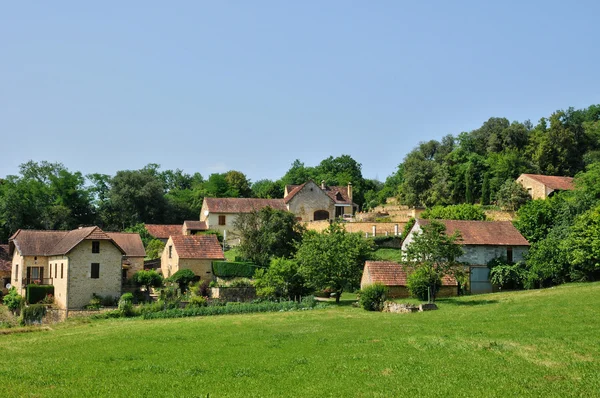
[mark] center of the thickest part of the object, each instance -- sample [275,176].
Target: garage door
[480,280]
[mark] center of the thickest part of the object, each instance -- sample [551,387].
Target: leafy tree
[154,249]
[455,212]
[267,233]
[141,230]
[435,252]
[512,196]
[333,259]
[183,278]
[281,279]
[217,186]
[238,183]
[148,279]
[297,174]
[582,246]
[267,189]
[535,219]
[423,284]
[372,297]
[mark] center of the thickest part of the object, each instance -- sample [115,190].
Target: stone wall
[536,189]
[310,199]
[233,293]
[362,227]
[482,254]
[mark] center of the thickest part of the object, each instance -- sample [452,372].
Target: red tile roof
[5,260]
[242,205]
[389,273]
[553,182]
[195,225]
[130,242]
[198,247]
[493,233]
[163,231]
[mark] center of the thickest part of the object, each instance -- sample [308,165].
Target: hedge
[233,269]
[36,293]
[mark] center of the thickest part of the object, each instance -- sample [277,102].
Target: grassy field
[531,343]
[388,254]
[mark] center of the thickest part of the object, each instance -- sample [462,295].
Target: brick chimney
[350,197]
[323,186]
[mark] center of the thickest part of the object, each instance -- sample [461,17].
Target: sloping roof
[131,243]
[163,231]
[195,225]
[389,273]
[553,182]
[5,261]
[494,233]
[242,205]
[339,194]
[198,247]
[51,243]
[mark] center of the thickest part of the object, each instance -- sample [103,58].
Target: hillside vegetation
[528,343]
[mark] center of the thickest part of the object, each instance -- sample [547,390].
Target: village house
[78,263]
[394,277]
[219,214]
[482,241]
[540,186]
[133,260]
[193,252]
[311,202]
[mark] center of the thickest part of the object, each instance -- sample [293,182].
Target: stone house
[220,213]
[540,186]
[193,252]
[393,275]
[482,241]
[5,267]
[133,259]
[311,202]
[78,263]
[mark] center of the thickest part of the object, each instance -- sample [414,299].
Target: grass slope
[531,343]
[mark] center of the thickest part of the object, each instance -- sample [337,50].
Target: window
[16,272]
[56,270]
[170,251]
[95,271]
[95,246]
[50,271]
[61,270]
[221,220]
[509,254]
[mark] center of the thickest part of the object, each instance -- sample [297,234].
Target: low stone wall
[233,293]
[381,228]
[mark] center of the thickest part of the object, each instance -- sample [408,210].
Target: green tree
[281,279]
[154,249]
[183,278]
[512,195]
[535,219]
[142,231]
[333,259]
[434,253]
[582,246]
[267,233]
[239,183]
[148,279]
[267,189]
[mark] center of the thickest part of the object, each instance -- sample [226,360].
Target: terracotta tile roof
[389,273]
[5,260]
[494,233]
[339,194]
[130,242]
[163,231]
[553,182]
[293,190]
[51,243]
[198,247]
[195,225]
[242,205]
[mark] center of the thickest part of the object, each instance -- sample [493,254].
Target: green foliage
[582,246]
[13,301]
[183,278]
[455,212]
[125,305]
[512,195]
[196,301]
[409,225]
[372,297]
[535,219]
[267,189]
[33,314]
[388,254]
[154,249]
[145,236]
[508,275]
[231,269]
[37,293]
[148,279]
[281,279]
[95,302]
[422,282]
[434,254]
[267,233]
[333,259]
[240,282]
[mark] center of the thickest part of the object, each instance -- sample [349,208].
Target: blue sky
[252,85]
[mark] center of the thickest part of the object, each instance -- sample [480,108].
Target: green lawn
[388,254]
[531,343]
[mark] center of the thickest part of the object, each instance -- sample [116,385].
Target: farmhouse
[77,263]
[482,241]
[193,252]
[394,276]
[133,260]
[311,202]
[540,186]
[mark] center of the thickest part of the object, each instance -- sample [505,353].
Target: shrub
[109,301]
[372,297]
[126,304]
[508,275]
[183,278]
[49,299]
[200,288]
[33,314]
[148,279]
[241,282]
[36,293]
[197,301]
[419,282]
[95,303]
[13,300]
[231,269]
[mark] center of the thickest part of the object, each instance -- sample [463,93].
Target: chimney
[323,187]
[350,196]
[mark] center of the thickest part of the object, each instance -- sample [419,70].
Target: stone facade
[381,228]
[482,254]
[311,199]
[171,263]
[536,189]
